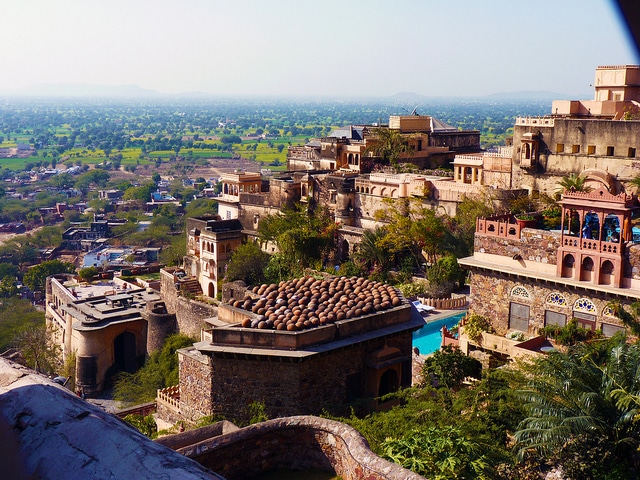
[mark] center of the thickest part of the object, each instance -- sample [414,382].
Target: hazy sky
[323,47]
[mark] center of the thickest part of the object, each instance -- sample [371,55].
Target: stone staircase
[190,285]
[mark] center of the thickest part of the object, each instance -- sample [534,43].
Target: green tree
[301,237]
[583,411]
[445,276]
[449,367]
[461,230]
[371,252]
[87,274]
[95,177]
[37,275]
[411,229]
[247,263]
[8,270]
[39,350]
[439,452]
[630,319]
[574,183]
[387,144]
[159,371]
[8,287]
[142,194]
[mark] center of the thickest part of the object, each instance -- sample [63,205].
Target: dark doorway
[124,350]
[388,382]
[345,251]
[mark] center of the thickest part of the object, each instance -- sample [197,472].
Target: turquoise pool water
[429,338]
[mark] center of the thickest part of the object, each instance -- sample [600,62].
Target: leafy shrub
[570,334]
[412,289]
[450,367]
[145,425]
[475,325]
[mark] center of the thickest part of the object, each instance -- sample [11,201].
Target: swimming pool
[429,338]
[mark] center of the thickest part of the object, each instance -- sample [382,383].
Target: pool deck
[440,314]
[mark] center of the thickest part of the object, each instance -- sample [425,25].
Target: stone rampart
[532,245]
[189,313]
[296,443]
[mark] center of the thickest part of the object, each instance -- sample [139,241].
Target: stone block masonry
[295,443]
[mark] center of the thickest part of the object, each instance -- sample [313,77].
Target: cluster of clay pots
[308,302]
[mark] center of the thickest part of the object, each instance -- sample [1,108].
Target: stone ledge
[299,442]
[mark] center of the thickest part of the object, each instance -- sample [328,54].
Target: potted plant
[525,220]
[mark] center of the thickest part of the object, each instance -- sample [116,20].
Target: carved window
[520,292]
[584,305]
[607,311]
[556,298]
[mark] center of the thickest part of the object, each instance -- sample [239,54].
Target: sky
[340,48]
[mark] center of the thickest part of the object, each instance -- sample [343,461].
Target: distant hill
[83,90]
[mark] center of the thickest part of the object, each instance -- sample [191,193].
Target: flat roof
[549,278]
[415,322]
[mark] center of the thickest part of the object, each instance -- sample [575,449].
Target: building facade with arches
[524,279]
[597,139]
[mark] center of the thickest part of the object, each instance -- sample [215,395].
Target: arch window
[520,292]
[607,311]
[556,298]
[584,305]
[607,267]
[611,228]
[591,226]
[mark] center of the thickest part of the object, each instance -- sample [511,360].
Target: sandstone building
[301,368]
[111,325]
[598,139]
[525,278]
[430,144]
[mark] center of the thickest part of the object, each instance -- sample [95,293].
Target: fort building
[524,277]
[107,326]
[321,353]
[430,143]
[597,139]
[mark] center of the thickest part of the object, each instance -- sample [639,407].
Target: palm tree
[388,144]
[584,411]
[574,183]
[371,253]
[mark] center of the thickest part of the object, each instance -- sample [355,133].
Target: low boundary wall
[295,443]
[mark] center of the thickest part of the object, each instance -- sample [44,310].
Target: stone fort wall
[291,387]
[533,245]
[295,443]
[189,313]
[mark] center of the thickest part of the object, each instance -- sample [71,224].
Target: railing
[498,226]
[590,244]
[456,301]
[170,396]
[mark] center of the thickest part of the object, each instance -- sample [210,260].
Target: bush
[475,325]
[412,289]
[450,367]
[570,334]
